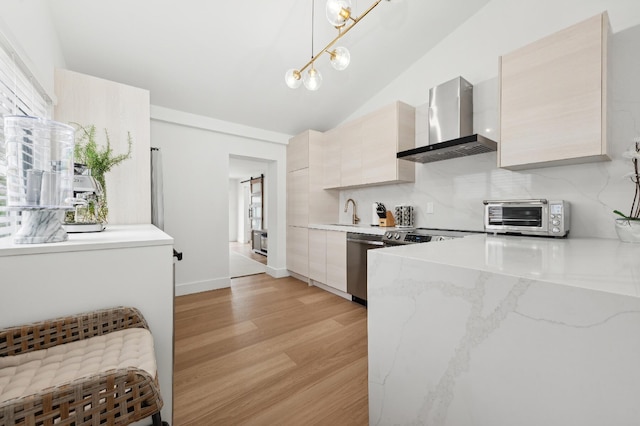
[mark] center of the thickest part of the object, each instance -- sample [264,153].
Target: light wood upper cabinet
[553,98]
[323,205]
[384,133]
[350,141]
[368,148]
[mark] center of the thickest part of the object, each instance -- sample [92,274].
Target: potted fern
[99,159]
[628,226]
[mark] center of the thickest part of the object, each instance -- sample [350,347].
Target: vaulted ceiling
[227,59]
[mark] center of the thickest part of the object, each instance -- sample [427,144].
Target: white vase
[628,230]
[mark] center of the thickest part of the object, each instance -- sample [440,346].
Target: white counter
[114,236]
[500,330]
[129,265]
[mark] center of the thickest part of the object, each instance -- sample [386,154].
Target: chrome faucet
[355,219]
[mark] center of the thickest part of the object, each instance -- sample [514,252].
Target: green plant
[100,159]
[633,154]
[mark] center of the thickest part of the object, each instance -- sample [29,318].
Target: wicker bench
[90,369]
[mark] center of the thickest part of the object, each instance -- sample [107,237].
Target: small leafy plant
[633,154]
[100,159]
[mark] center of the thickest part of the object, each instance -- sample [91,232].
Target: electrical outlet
[429,208]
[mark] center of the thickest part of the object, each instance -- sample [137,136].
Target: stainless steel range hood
[455,148]
[450,125]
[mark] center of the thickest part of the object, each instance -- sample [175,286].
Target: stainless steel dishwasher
[357,247]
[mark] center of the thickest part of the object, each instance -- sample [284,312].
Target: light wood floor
[270,352]
[245,250]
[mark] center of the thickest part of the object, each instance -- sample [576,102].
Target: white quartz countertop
[360,229]
[606,265]
[114,236]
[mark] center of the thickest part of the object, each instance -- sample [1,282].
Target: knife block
[388,221]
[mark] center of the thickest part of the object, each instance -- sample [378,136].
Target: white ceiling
[227,59]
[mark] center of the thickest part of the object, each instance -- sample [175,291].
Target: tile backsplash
[456,188]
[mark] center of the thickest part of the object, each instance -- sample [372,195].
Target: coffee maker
[86,191]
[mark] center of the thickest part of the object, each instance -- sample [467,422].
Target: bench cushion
[29,373]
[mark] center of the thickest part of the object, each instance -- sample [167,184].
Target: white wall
[197,189]
[29,28]
[457,187]
[234,194]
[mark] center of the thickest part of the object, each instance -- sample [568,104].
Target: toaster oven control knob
[556,230]
[556,222]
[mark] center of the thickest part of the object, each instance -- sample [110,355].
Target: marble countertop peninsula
[504,330]
[599,264]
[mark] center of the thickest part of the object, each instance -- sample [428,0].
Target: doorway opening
[248,230]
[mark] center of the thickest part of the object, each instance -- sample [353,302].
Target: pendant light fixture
[339,14]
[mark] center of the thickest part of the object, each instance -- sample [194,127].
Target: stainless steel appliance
[357,247]
[421,235]
[86,191]
[450,125]
[538,217]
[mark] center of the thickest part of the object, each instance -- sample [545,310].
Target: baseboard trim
[299,277]
[200,286]
[330,289]
[277,272]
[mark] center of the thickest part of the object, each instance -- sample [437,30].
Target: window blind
[20,94]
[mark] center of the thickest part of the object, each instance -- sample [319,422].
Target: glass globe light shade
[338,12]
[293,78]
[312,79]
[340,58]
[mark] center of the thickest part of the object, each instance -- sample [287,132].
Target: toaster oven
[527,217]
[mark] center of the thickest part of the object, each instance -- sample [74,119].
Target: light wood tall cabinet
[120,109]
[553,96]
[368,148]
[351,145]
[298,250]
[307,200]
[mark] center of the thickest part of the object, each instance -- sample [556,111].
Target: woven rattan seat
[90,369]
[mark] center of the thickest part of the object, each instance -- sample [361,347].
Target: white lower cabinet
[328,258]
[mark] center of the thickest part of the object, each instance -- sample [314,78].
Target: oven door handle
[369,242]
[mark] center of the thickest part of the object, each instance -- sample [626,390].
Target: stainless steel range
[421,235]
